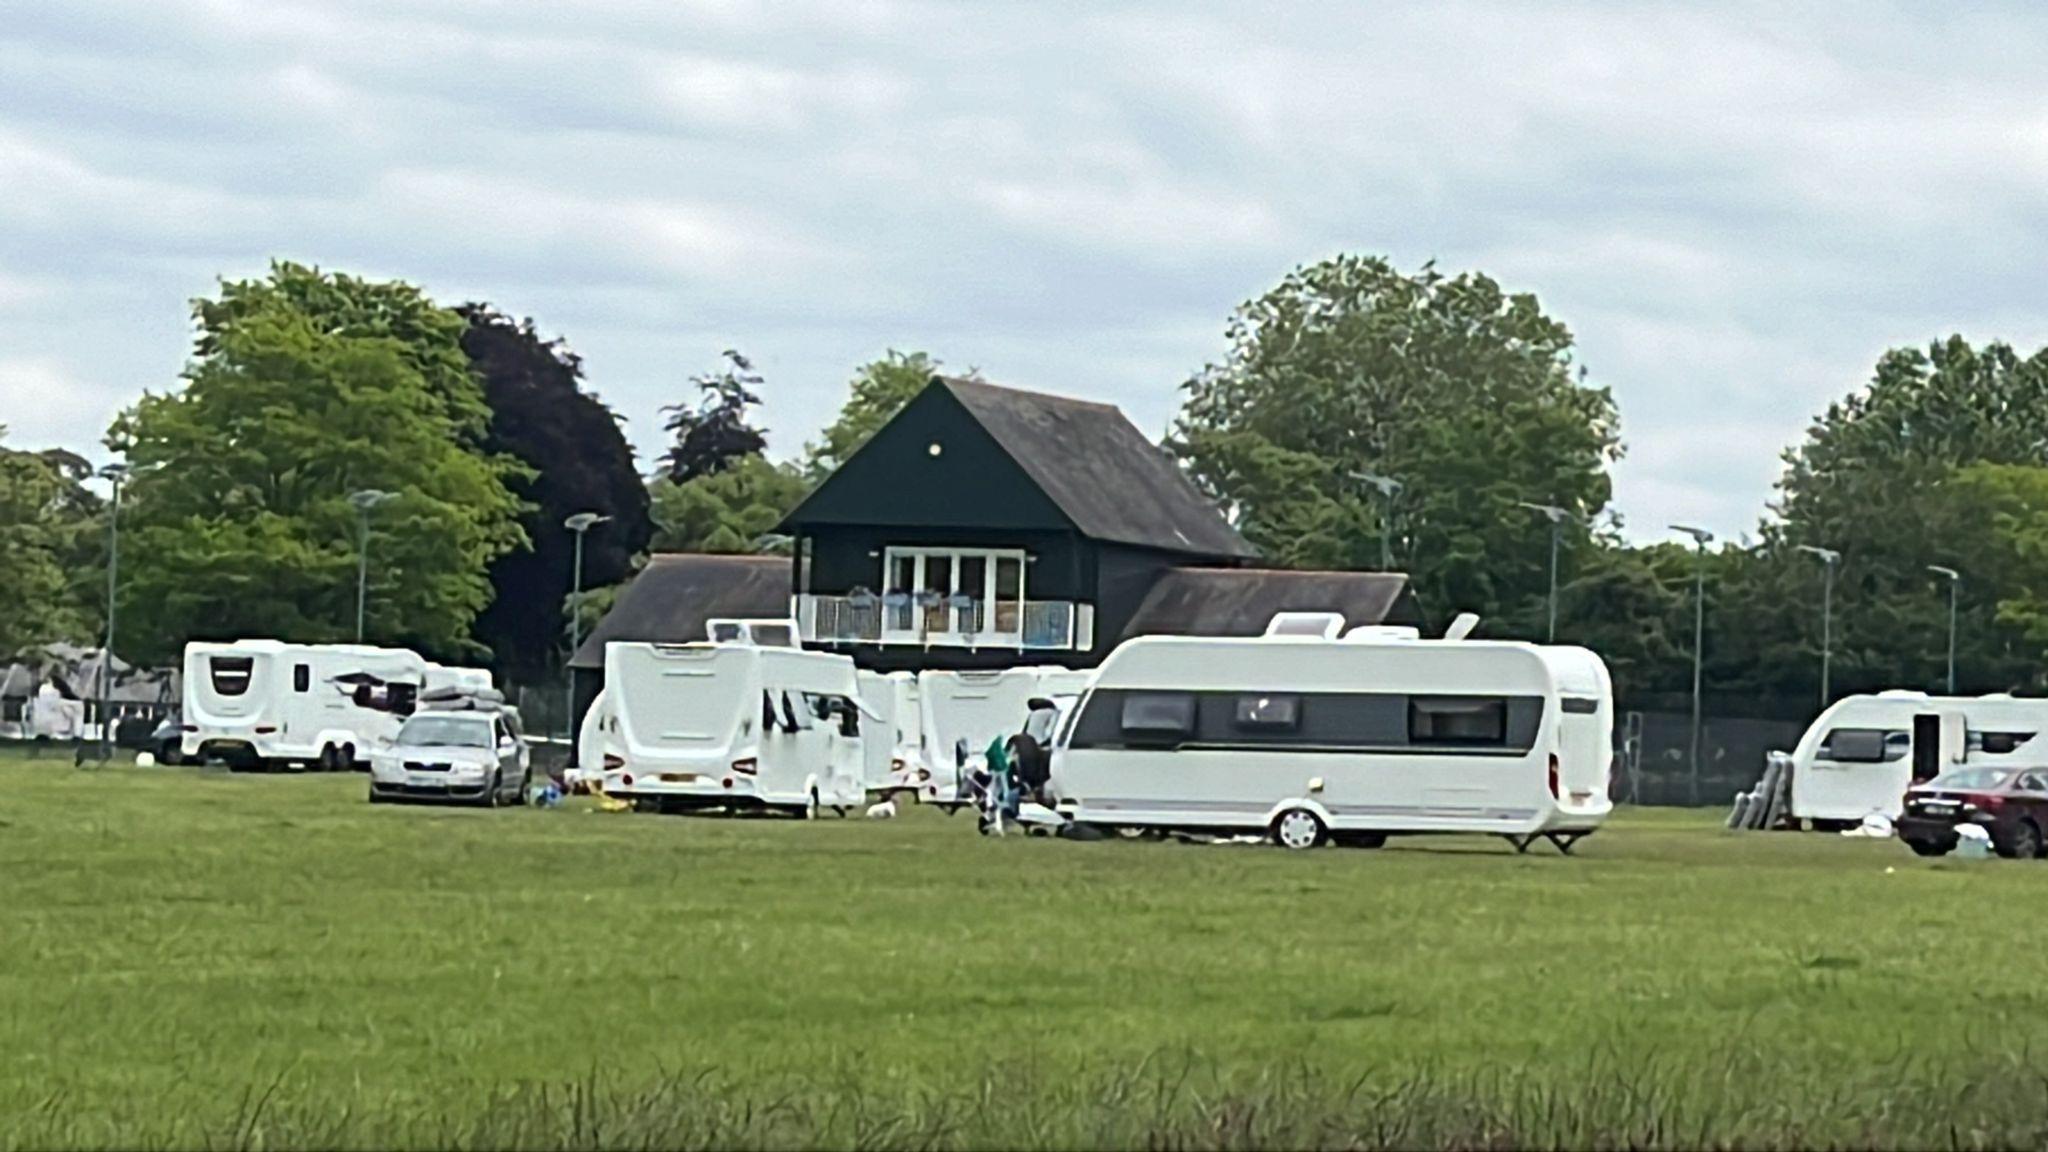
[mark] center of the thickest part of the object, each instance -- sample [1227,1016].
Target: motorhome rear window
[1269,713]
[1863,746]
[1465,721]
[231,674]
[1157,714]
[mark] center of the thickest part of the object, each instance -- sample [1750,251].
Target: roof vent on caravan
[1381,634]
[1462,626]
[1320,625]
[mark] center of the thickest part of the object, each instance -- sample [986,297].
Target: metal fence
[1653,757]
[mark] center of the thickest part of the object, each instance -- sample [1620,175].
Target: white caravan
[266,702]
[1310,737]
[1862,753]
[730,726]
[962,713]
[892,742]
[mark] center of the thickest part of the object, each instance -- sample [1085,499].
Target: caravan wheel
[1298,828]
[811,806]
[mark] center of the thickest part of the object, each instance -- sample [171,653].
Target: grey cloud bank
[1734,208]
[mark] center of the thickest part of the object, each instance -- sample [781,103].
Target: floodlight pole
[1389,488]
[1556,516]
[1828,557]
[114,473]
[1955,579]
[579,524]
[1700,539]
[363,501]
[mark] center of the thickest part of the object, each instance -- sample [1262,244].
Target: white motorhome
[1309,737]
[1862,753]
[730,726]
[266,702]
[962,713]
[893,743]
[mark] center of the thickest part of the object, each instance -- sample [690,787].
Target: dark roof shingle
[1112,482]
[1242,601]
[671,598]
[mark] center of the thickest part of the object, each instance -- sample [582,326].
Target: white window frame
[989,594]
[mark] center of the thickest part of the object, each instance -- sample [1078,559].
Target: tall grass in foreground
[1169,1102]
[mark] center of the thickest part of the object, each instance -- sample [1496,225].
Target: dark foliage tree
[713,434]
[579,461]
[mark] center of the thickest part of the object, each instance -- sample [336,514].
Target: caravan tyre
[346,762]
[1298,828]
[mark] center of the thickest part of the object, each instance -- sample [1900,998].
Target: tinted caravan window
[1158,715]
[1461,721]
[1863,746]
[302,677]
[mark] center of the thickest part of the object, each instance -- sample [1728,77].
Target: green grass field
[208,958]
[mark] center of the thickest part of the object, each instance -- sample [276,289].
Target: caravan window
[231,674]
[302,677]
[1864,746]
[1157,715]
[1269,713]
[1998,743]
[1465,721]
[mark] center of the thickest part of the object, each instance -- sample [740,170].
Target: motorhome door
[1927,747]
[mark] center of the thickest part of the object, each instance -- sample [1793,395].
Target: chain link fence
[1653,757]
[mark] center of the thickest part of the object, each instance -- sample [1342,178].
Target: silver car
[473,756]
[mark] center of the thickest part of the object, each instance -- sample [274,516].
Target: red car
[2009,803]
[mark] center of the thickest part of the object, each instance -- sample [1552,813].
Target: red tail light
[1554,793]
[1990,801]
[728,781]
[627,779]
[747,767]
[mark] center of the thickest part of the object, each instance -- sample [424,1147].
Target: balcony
[949,622]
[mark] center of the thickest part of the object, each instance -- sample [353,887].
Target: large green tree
[879,389]
[1465,394]
[1930,463]
[305,388]
[43,514]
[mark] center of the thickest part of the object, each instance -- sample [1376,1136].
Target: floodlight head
[113,470]
[1700,536]
[1939,570]
[584,521]
[369,498]
[1550,512]
[1827,555]
[1386,484]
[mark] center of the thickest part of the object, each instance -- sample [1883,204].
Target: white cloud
[1735,208]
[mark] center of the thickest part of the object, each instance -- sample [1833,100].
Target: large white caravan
[1311,737]
[962,713]
[269,702]
[1862,753]
[731,726]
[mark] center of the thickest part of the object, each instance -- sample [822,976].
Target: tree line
[1357,414]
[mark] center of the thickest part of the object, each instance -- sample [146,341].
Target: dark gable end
[671,598]
[895,480]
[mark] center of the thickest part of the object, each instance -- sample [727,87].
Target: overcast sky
[1735,210]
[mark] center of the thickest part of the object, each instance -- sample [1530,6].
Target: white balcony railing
[954,622]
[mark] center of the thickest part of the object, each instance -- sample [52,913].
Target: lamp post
[363,501]
[1556,516]
[1828,557]
[1389,488]
[1700,539]
[114,474]
[580,523]
[1955,579]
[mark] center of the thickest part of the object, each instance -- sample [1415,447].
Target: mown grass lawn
[203,957]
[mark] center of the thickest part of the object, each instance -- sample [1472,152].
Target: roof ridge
[1101,405]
